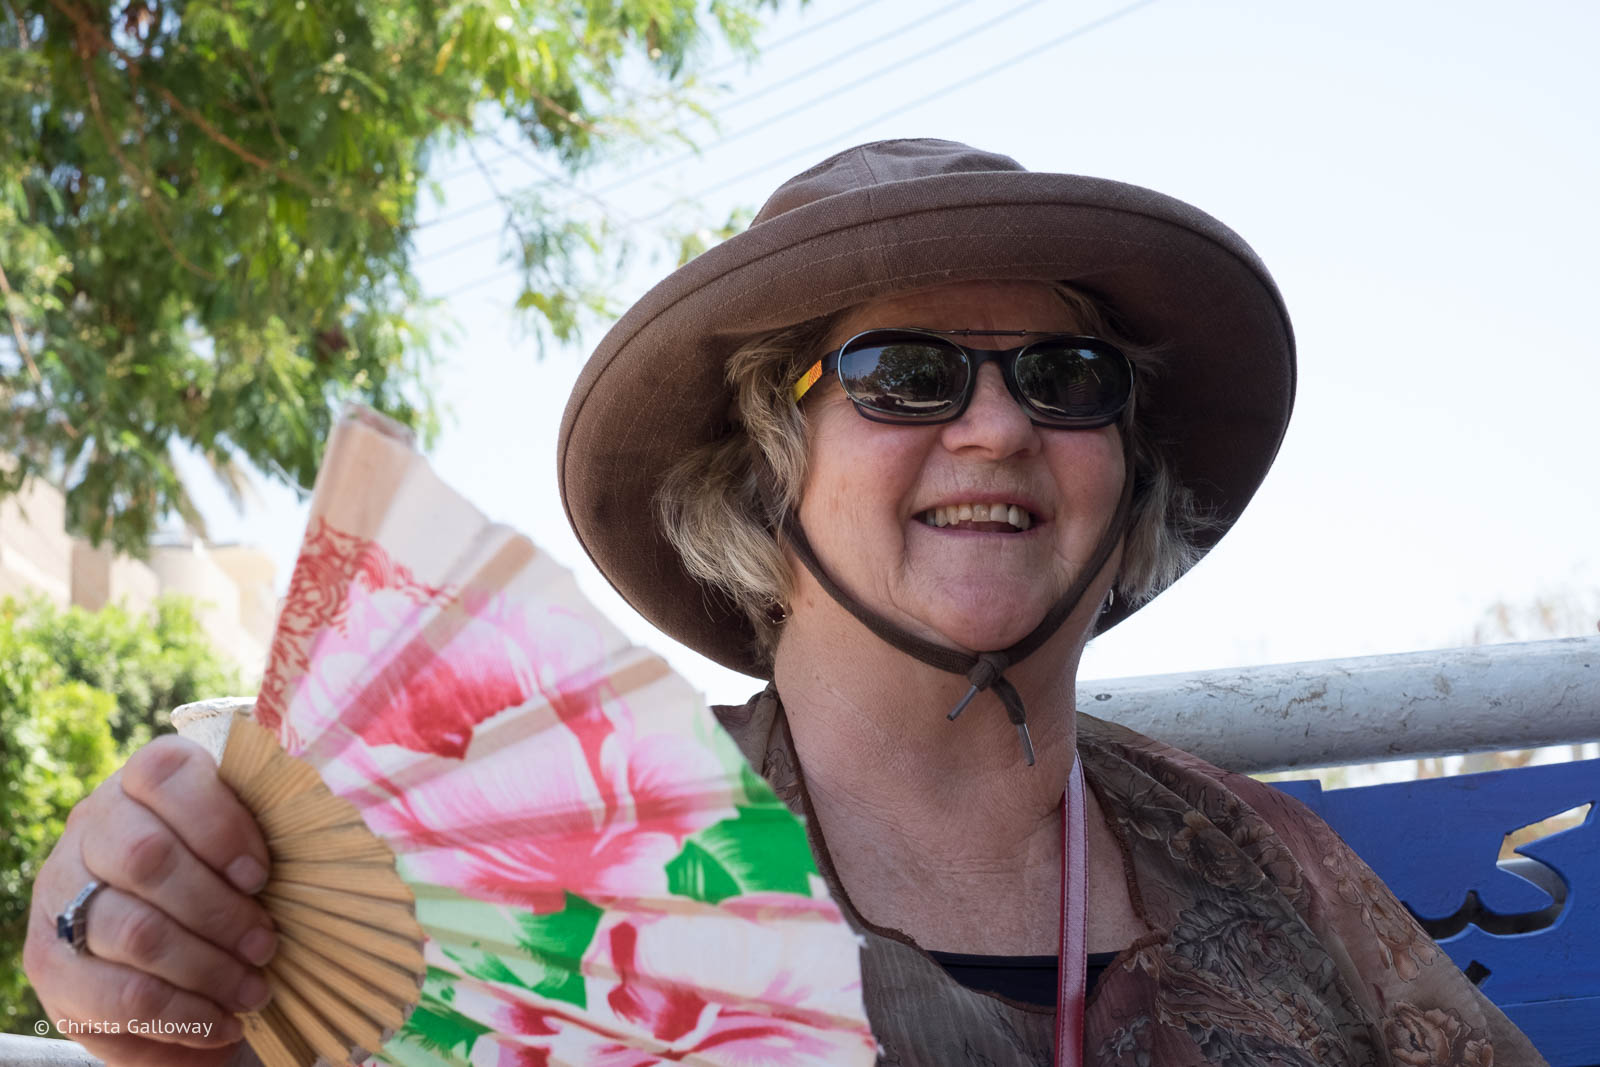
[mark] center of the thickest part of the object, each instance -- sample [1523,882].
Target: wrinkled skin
[175,936]
[867,483]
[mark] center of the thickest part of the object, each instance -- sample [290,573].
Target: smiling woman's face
[871,489]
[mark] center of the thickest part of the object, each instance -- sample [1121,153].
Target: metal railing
[1327,713]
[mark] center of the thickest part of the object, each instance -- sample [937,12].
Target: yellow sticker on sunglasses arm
[807,380]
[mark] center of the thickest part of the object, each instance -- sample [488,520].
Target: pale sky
[1420,179]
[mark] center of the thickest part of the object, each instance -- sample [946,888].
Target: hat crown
[879,163]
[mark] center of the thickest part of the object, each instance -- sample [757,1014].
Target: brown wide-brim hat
[898,215]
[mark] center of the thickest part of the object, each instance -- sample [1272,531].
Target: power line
[544,172]
[1021,57]
[461,213]
[811,151]
[960,38]
[763,50]
[963,37]
[459,246]
[767,49]
[555,178]
[606,209]
[839,57]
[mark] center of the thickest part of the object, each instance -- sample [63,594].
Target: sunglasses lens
[1074,383]
[904,377]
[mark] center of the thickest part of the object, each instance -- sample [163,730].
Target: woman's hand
[175,939]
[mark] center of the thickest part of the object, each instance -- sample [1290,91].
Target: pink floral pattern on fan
[661,1009]
[330,566]
[592,809]
[436,683]
[776,1005]
[574,814]
[601,878]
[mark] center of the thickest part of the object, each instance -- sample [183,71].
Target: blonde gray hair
[720,504]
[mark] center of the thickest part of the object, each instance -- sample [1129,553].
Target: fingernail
[247,874]
[253,994]
[258,945]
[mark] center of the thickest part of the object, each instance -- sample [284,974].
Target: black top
[1029,979]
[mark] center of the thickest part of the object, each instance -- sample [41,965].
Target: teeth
[954,513]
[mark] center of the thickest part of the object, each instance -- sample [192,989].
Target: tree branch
[24,42]
[16,329]
[141,184]
[6,293]
[261,96]
[103,43]
[88,29]
[266,107]
[607,210]
[571,116]
[505,202]
[450,120]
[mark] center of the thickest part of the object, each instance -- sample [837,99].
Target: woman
[894,449]
[782,456]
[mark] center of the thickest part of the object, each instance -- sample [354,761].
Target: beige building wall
[255,577]
[35,552]
[232,586]
[191,571]
[101,577]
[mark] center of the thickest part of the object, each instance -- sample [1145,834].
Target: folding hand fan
[501,836]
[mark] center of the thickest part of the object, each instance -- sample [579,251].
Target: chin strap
[984,670]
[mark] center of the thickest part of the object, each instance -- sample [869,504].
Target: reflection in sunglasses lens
[907,378]
[1068,382]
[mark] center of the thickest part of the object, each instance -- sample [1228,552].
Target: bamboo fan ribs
[349,962]
[502,836]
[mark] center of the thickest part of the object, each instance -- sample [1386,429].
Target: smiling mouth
[986,518]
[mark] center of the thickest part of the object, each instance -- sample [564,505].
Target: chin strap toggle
[989,673]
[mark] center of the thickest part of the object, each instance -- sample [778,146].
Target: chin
[988,628]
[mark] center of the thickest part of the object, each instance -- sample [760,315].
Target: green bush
[79,691]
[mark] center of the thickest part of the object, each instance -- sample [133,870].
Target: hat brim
[1173,275]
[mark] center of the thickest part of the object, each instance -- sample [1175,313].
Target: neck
[916,809]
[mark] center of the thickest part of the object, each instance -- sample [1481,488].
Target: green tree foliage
[148,665]
[78,692]
[207,210]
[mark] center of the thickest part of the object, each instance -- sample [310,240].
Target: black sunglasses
[921,376]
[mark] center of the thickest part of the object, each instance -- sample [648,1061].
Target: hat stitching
[1010,265]
[813,263]
[879,251]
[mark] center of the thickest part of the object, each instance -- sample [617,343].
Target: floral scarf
[1273,943]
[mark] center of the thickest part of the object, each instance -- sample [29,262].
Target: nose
[994,424]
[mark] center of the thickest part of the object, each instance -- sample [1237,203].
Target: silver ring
[72,925]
